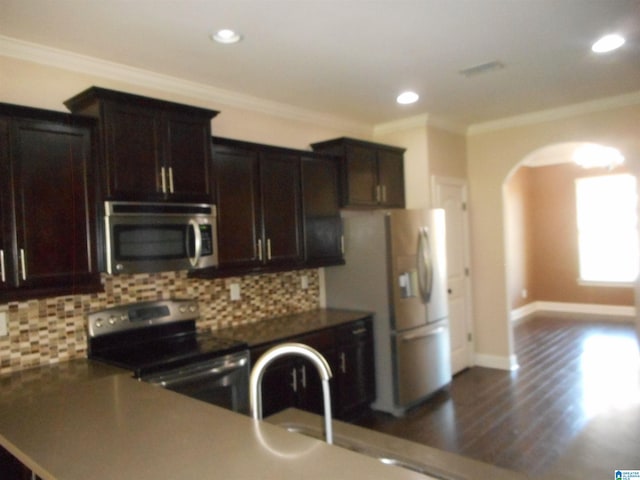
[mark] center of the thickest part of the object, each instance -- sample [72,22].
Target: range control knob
[183,309]
[193,307]
[113,320]
[99,323]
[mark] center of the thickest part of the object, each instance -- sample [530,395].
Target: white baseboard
[495,361]
[580,308]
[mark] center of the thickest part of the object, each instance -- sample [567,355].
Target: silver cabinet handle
[294,379]
[342,244]
[359,331]
[163,177]
[303,376]
[268,249]
[23,264]
[418,336]
[170,180]
[377,193]
[384,193]
[3,276]
[260,249]
[343,362]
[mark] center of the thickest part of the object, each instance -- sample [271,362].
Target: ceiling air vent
[482,68]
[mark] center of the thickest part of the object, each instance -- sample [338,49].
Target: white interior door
[451,195]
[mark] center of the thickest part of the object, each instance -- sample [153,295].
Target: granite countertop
[282,328]
[115,427]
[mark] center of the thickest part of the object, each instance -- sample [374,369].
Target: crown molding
[560,113]
[64,59]
[418,121]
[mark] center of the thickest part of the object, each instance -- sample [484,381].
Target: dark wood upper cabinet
[237,183]
[47,203]
[321,211]
[151,149]
[259,211]
[371,174]
[281,208]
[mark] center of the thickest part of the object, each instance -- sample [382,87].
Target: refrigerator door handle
[425,265]
[418,336]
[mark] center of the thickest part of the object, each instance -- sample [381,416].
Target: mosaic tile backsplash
[52,330]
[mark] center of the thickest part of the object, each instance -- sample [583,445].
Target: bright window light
[607,228]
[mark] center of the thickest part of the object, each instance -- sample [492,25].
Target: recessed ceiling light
[405,98]
[226,36]
[608,43]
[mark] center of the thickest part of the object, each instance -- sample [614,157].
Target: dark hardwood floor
[570,411]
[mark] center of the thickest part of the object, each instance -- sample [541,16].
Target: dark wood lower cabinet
[294,382]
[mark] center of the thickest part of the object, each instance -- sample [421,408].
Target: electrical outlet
[304,282]
[234,292]
[4,331]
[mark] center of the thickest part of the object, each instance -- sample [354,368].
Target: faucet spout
[299,349]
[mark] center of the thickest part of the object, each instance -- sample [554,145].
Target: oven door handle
[216,368]
[197,243]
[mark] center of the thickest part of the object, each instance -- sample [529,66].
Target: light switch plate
[234,291]
[4,331]
[304,282]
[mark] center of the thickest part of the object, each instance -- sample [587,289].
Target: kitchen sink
[432,463]
[386,457]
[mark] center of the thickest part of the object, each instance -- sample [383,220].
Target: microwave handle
[198,243]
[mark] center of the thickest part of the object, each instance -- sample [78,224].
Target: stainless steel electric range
[159,343]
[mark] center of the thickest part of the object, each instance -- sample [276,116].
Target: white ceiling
[350,58]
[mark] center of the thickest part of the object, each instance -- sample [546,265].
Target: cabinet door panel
[362,179]
[132,152]
[237,183]
[280,181]
[322,221]
[6,245]
[391,177]
[54,208]
[189,157]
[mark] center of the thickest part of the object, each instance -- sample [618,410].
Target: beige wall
[41,86]
[447,153]
[493,156]
[517,232]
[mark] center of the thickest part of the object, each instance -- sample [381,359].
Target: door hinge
[464,206]
[466,271]
[469,337]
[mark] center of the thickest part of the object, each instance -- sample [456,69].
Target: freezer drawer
[422,362]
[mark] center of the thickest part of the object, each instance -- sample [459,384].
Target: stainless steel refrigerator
[396,268]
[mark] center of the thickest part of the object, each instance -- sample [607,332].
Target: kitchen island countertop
[115,427]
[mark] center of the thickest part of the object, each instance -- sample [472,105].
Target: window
[607,228]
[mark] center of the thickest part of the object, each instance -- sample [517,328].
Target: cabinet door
[188,158]
[280,187]
[237,190]
[133,157]
[354,368]
[361,176]
[321,212]
[391,178]
[6,247]
[54,206]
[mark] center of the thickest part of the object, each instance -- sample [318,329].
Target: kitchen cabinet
[152,150]
[259,207]
[371,174]
[12,469]
[323,239]
[294,382]
[353,371]
[47,203]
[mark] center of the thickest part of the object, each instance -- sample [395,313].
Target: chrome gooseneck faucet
[321,364]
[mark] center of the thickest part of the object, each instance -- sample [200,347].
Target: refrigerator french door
[396,268]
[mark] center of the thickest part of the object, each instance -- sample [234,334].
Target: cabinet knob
[23,264]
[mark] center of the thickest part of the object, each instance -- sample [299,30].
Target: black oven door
[223,381]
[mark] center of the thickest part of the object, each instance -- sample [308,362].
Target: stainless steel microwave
[156,237]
